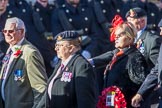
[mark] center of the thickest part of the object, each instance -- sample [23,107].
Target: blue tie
[5,62]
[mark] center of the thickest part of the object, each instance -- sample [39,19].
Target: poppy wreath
[118,98]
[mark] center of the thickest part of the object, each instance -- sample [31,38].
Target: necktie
[5,62]
[62,67]
[114,59]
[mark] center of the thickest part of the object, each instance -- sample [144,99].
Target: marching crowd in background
[64,53]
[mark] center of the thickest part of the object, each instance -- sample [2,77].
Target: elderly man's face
[12,34]
[63,49]
[139,23]
[3,5]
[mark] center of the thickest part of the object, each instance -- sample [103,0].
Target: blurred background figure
[44,9]
[32,2]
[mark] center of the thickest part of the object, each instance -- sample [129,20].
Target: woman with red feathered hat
[126,67]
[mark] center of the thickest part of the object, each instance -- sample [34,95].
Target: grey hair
[19,23]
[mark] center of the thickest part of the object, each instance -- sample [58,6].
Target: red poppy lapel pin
[17,52]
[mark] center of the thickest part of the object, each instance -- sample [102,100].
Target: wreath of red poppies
[119,100]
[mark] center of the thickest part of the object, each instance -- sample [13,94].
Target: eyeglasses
[10,31]
[61,45]
[120,34]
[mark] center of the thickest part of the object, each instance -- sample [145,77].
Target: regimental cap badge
[59,38]
[136,13]
[132,13]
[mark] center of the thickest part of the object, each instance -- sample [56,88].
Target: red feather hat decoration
[115,22]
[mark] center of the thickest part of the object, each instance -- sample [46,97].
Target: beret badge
[59,38]
[132,13]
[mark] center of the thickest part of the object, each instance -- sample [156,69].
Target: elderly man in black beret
[152,84]
[72,84]
[148,43]
[152,11]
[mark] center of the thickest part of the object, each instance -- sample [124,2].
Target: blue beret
[66,35]
[136,13]
[160,23]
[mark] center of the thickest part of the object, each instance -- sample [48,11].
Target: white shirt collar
[17,46]
[140,32]
[67,60]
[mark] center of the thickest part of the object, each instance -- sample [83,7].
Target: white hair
[19,23]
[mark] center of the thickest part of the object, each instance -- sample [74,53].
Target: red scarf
[114,59]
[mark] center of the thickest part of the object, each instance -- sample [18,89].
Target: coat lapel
[71,62]
[2,69]
[143,36]
[48,82]
[127,51]
[11,68]
[1,74]
[54,72]
[57,67]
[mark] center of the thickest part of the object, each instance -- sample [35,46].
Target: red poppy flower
[17,53]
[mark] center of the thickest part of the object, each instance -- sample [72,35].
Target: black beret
[136,13]
[160,23]
[66,35]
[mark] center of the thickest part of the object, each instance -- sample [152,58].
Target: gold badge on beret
[59,38]
[132,13]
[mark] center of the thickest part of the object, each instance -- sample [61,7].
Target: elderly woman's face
[11,34]
[122,39]
[63,49]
